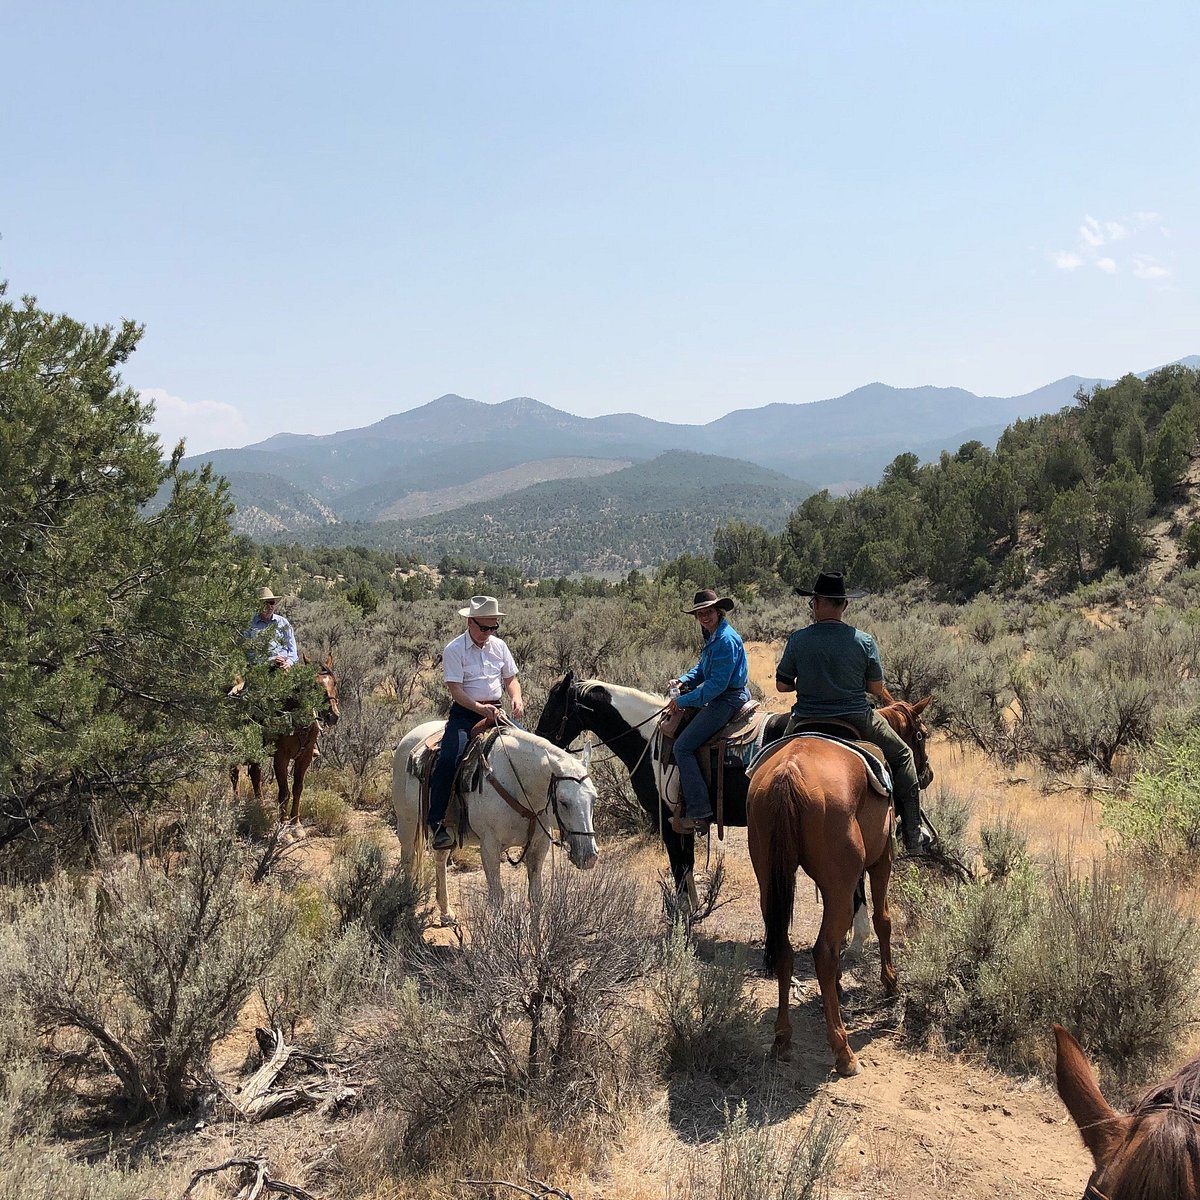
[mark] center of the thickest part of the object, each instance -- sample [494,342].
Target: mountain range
[414,478]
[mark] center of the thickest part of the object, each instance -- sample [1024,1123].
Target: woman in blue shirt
[717,686]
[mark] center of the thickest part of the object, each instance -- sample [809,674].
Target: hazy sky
[328,213]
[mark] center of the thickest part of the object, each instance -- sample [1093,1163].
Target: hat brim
[466,612]
[724,603]
[829,596]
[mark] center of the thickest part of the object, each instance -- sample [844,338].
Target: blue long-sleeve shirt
[722,666]
[282,640]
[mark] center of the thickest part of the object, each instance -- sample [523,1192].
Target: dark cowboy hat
[830,585]
[707,598]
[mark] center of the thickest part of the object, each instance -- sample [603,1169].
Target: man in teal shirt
[831,666]
[717,686]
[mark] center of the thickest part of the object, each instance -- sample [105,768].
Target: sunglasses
[489,628]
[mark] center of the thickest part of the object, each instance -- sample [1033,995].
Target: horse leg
[441,858]
[858,930]
[299,770]
[281,763]
[880,872]
[234,776]
[489,857]
[835,921]
[254,770]
[535,859]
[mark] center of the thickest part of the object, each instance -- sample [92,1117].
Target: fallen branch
[262,1181]
[544,1191]
[260,1098]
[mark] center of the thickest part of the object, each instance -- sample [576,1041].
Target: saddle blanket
[877,771]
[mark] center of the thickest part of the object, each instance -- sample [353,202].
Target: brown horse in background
[294,752]
[810,806]
[1153,1153]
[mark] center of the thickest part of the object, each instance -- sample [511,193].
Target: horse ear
[329,661]
[304,659]
[569,678]
[921,706]
[586,755]
[1100,1126]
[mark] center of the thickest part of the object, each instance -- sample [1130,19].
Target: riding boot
[908,807]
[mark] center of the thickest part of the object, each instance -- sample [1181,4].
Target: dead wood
[263,1096]
[261,1183]
[544,1190]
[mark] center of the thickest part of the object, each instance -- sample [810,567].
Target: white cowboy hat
[482,606]
[266,594]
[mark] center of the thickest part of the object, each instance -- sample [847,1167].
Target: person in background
[716,685]
[479,671]
[282,640]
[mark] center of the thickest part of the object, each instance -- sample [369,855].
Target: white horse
[552,785]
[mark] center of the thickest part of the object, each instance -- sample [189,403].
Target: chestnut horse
[298,748]
[810,806]
[1153,1153]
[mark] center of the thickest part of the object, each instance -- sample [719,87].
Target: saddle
[729,742]
[879,777]
[471,767]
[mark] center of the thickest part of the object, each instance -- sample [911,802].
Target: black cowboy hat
[830,585]
[707,598]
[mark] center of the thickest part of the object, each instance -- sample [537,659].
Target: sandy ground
[915,1124]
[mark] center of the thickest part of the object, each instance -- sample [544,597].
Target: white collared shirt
[480,670]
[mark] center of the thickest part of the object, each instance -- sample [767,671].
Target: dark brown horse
[293,752]
[1152,1153]
[811,806]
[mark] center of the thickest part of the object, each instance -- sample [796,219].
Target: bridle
[534,815]
[916,737]
[1157,1103]
[572,698]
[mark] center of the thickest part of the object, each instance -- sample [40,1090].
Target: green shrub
[1159,819]
[1004,847]
[30,1171]
[386,901]
[709,1025]
[534,1019]
[990,966]
[326,811]
[152,961]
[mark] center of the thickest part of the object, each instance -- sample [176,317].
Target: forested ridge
[1061,500]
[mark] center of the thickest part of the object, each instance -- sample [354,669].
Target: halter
[1186,1107]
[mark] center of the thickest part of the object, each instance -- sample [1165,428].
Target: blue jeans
[712,717]
[454,745]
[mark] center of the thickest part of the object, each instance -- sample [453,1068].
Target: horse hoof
[782,1051]
[848,1064]
[449,918]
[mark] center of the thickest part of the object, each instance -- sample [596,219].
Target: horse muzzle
[582,851]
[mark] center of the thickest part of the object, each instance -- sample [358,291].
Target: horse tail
[779,895]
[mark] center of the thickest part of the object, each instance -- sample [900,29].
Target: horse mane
[1165,1157]
[618,689]
[563,761]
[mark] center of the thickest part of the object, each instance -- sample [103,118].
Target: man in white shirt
[479,670]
